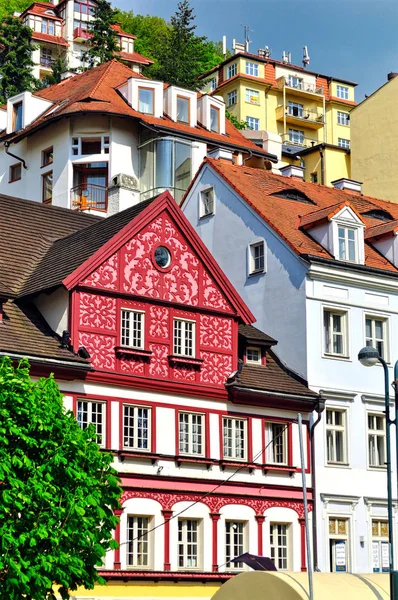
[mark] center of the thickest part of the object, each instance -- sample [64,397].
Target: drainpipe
[322,166]
[6,146]
[319,409]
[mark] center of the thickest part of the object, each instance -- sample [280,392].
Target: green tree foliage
[58,492]
[15,58]
[8,7]
[235,121]
[103,42]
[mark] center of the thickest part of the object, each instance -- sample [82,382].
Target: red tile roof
[40,8]
[49,39]
[258,188]
[380,229]
[97,90]
[116,27]
[135,57]
[325,214]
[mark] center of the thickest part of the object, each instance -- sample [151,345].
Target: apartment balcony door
[90,186]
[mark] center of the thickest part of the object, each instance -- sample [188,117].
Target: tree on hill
[103,40]
[15,58]
[58,492]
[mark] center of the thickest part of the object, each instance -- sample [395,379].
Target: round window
[162,257]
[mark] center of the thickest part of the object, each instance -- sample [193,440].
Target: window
[343,118]
[377,440]
[47,26]
[253,355]
[137,541]
[279,545]
[46,57]
[314,177]
[188,543]
[182,109]
[136,427]
[92,412]
[234,438]
[232,70]
[295,109]
[342,92]
[207,202]
[47,187]
[295,82]
[376,334]
[342,143]
[214,119]
[47,157]
[232,97]
[256,258]
[276,441]
[184,338]
[338,544]
[146,100]
[335,332]
[17,116]
[132,329]
[347,244]
[234,543]
[212,84]
[380,546]
[15,172]
[253,123]
[190,433]
[336,436]
[85,7]
[296,137]
[252,69]
[90,145]
[252,96]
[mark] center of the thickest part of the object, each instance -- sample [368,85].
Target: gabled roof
[258,188]
[253,335]
[135,57]
[389,228]
[97,91]
[325,214]
[49,39]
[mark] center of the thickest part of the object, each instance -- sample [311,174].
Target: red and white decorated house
[200,414]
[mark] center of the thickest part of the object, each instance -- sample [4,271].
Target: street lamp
[369,357]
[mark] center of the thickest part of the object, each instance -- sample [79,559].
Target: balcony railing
[81,34]
[46,62]
[299,86]
[315,117]
[89,196]
[300,143]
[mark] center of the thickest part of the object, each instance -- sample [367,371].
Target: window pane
[164,162]
[182,109]
[182,177]
[214,119]
[146,101]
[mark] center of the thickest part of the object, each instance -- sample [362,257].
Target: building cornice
[355,275]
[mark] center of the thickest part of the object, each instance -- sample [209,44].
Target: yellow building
[375,142]
[309,112]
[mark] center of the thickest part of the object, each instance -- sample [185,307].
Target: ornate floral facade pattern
[216,368]
[212,296]
[101,349]
[105,276]
[215,332]
[159,366]
[97,312]
[159,322]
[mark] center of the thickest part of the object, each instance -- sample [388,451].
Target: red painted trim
[215,517]
[302,545]
[173,576]
[164,202]
[260,522]
[116,560]
[108,424]
[167,514]
[74,319]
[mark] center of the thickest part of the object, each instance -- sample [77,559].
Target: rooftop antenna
[306,57]
[246,29]
[267,52]
[286,57]
[224,46]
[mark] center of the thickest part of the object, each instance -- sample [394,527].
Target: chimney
[391,75]
[221,154]
[293,171]
[349,185]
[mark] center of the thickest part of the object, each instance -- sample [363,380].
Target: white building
[318,267]
[108,138]
[62,30]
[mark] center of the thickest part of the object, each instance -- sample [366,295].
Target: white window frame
[251,68]
[347,242]
[83,424]
[192,443]
[343,143]
[235,454]
[255,94]
[184,339]
[76,145]
[232,98]
[252,361]
[342,92]
[292,105]
[335,429]
[340,537]
[295,82]
[252,270]
[253,122]
[271,451]
[206,204]
[131,329]
[327,349]
[183,544]
[135,408]
[296,136]
[373,435]
[232,70]
[276,549]
[343,118]
[136,538]
[379,540]
[236,544]
[386,333]
[212,84]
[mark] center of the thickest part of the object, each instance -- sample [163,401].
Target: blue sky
[352,39]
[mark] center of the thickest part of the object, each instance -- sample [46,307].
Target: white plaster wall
[165,431]
[201,512]
[55,309]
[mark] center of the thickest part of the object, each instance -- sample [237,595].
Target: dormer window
[17,121]
[347,244]
[47,26]
[253,355]
[214,119]
[183,109]
[146,100]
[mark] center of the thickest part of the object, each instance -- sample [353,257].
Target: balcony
[46,62]
[89,196]
[300,144]
[80,34]
[299,87]
[309,118]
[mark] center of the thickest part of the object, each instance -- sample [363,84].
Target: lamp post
[369,357]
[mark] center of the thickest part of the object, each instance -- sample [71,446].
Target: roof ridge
[105,72]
